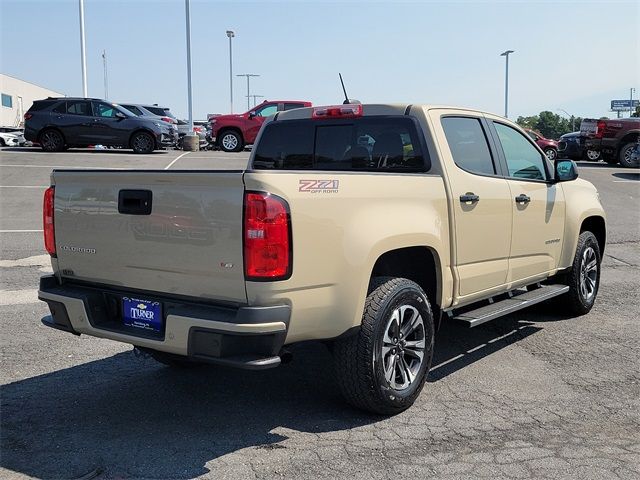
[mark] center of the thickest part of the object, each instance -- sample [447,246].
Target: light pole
[506,82]
[106,78]
[189,98]
[83,52]
[230,34]
[248,75]
[573,119]
[631,90]
[254,98]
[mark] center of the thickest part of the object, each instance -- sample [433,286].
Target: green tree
[550,125]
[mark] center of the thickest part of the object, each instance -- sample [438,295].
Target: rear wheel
[626,156]
[230,141]
[382,368]
[51,141]
[584,277]
[142,142]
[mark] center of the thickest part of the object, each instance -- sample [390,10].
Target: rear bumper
[245,337]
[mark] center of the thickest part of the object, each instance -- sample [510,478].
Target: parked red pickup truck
[615,138]
[232,132]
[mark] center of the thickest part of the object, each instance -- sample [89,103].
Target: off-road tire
[575,302]
[51,140]
[625,156]
[230,141]
[358,362]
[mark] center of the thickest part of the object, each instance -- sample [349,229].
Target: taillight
[338,111]
[167,119]
[197,129]
[27,116]
[47,221]
[267,237]
[602,125]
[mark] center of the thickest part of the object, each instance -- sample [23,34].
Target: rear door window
[363,144]
[468,145]
[291,106]
[78,108]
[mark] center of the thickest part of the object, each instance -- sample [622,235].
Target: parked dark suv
[60,123]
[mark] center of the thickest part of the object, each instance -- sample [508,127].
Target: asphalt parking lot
[532,395]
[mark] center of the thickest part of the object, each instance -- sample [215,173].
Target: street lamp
[573,119]
[254,96]
[230,34]
[248,75]
[506,82]
[83,50]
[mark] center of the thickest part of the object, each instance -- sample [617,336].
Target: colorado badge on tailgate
[142,314]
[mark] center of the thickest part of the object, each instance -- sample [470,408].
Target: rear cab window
[371,143]
[468,145]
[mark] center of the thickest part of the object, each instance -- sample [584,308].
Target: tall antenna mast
[346,97]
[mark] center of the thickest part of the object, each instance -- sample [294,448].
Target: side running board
[516,302]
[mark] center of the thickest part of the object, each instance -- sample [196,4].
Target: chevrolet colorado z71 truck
[359,225]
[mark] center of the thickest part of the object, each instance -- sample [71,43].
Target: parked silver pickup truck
[364,226]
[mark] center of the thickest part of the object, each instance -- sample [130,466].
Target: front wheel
[584,277]
[382,368]
[627,157]
[593,155]
[551,153]
[231,141]
[142,142]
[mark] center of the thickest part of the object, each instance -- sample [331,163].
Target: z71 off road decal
[319,186]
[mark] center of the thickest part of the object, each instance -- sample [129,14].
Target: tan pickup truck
[364,226]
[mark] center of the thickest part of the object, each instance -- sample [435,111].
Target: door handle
[469,197]
[522,198]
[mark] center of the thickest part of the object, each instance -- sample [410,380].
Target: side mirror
[120,115]
[565,170]
[252,115]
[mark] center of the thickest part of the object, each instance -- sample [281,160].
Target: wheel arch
[145,130]
[630,137]
[417,263]
[230,128]
[596,225]
[51,127]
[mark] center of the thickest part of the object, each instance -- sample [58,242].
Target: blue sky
[571,55]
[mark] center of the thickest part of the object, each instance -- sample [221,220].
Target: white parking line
[20,231]
[23,186]
[627,181]
[176,159]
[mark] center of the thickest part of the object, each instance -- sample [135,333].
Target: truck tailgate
[189,244]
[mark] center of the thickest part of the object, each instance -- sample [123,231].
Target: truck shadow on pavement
[627,175]
[130,417]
